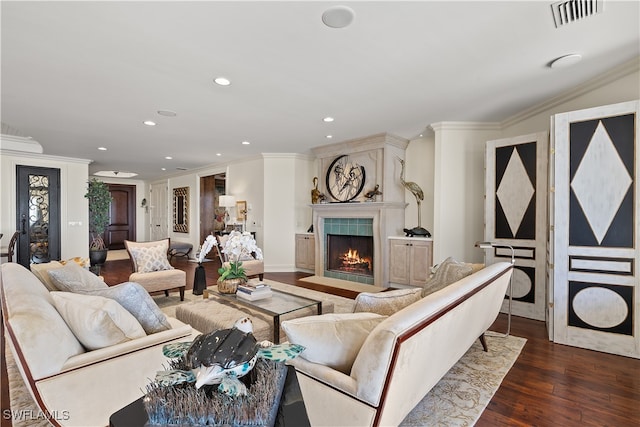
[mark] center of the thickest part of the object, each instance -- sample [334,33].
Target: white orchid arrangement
[238,247]
[207,245]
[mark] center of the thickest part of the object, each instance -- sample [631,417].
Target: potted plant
[238,246]
[99,201]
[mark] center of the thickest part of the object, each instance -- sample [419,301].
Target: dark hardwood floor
[549,385]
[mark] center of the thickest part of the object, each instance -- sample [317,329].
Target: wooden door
[596,248]
[122,224]
[158,211]
[38,216]
[211,215]
[516,215]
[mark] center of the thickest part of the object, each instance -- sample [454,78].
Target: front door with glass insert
[38,216]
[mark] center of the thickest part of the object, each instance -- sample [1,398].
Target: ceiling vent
[565,12]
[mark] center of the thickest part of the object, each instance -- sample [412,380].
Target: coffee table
[278,304]
[291,411]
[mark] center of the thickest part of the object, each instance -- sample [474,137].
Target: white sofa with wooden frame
[403,355]
[79,387]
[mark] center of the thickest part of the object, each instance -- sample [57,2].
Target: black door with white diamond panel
[515,215]
[595,238]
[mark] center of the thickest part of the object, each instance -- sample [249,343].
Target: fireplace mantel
[387,217]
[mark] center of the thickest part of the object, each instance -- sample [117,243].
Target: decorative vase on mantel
[229,286]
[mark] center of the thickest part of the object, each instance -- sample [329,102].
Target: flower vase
[199,280]
[229,286]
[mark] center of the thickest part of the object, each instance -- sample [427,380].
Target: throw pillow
[386,303]
[73,278]
[332,339]
[41,271]
[152,258]
[448,272]
[137,301]
[96,321]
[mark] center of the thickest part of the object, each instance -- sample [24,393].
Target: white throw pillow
[152,258]
[96,321]
[137,301]
[332,339]
[448,272]
[73,278]
[386,303]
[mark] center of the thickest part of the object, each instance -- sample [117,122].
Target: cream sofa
[405,355]
[79,387]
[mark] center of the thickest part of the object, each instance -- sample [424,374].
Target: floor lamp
[489,245]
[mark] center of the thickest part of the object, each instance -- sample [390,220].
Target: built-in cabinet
[410,260]
[305,251]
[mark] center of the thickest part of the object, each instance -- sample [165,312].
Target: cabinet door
[399,260]
[305,251]
[420,263]
[311,252]
[301,251]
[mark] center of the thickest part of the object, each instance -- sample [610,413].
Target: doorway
[122,224]
[38,216]
[211,214]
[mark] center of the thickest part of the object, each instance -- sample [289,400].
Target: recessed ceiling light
[149,123]
[102,148]
[329,136]
[338,16]
[164,169]
[218,154]
[566,60]
[328,119]
[168,157]
[167,113]
[246,143]
[222,81]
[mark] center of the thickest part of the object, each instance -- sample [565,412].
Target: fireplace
[350,254]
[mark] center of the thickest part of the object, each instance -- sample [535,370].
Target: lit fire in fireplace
[351,261]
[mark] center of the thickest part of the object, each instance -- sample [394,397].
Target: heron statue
[419,195]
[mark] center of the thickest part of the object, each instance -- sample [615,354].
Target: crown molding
[20,143]
[31,155]
[481,126]
[612,75]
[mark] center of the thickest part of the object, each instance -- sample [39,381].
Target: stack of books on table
[254,291]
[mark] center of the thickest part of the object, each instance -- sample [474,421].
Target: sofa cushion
[41,271]
[73,278]
[332,339]
[137,301]
[447,272]
[96,321]
[386,303]
[152,258]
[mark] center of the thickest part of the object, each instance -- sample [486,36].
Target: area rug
[342,284]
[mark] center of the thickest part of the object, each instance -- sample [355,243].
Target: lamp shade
[227,201]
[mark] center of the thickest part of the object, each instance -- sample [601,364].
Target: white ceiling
[80,75]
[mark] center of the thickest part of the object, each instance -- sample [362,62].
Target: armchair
[151,267]
[252,267]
